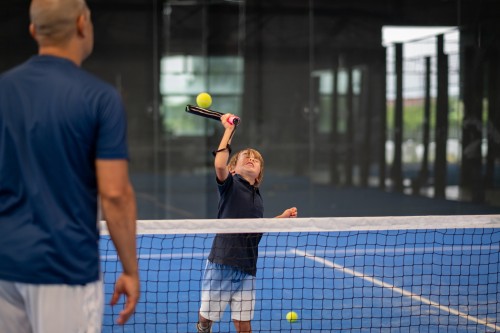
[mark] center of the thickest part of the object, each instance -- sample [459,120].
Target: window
[183,77]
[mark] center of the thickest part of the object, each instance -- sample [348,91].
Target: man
[62,146]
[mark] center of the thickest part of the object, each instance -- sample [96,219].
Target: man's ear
[32,30]
[81,23]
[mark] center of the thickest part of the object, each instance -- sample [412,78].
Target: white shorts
[47,308]
[223,285]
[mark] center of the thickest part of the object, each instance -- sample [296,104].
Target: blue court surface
[384,281]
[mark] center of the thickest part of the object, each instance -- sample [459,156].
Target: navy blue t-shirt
[55,121]
[238,199]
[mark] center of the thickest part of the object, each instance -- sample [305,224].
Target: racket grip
[233,120]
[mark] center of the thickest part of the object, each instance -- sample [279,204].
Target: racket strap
[228,148]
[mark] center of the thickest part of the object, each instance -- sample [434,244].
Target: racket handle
[211,114]
[233,120]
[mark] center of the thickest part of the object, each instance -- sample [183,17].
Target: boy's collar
[243,179]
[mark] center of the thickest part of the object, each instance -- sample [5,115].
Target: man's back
[54,121]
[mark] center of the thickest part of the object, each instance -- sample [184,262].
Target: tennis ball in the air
[204,100]
[292,316]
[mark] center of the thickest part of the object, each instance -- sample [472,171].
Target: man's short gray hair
[54,20]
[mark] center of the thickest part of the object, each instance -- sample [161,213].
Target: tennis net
[371,274]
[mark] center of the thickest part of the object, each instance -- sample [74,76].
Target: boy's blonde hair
[251,152]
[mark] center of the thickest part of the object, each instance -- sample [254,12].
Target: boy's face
[247,166]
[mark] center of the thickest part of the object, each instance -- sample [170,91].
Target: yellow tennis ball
[204,100]
[292,316]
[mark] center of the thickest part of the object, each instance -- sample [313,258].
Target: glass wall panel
[315,85]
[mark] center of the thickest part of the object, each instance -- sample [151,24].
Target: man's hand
[129,286]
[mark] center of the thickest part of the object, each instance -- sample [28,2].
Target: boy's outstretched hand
[290,212]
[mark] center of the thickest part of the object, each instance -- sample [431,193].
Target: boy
[229,276]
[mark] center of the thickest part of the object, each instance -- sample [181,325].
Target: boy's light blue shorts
[223,285]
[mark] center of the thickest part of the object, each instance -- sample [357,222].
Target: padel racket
[206,113]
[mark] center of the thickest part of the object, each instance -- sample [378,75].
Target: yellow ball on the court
[292,316]
[204,100]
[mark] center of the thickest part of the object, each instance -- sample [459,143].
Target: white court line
[395,289]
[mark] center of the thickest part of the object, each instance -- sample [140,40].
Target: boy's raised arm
[222,153]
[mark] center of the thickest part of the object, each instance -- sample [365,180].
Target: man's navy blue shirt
[55,121]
